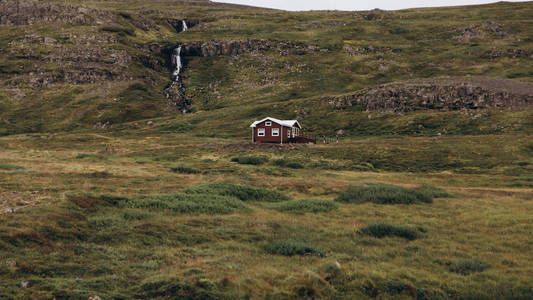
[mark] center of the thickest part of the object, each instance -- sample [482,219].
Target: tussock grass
[139,215]
[290,247]
[468,266]
[301,206]
[434,192]
[184,170]
[382,194]
[192,203]
[250,160]
[105,221]
[8,167]
[239,191]
[287,163]
[175,288]
[381,230]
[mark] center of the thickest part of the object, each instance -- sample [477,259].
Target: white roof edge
[287,123]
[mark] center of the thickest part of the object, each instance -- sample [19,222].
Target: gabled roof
[286,123]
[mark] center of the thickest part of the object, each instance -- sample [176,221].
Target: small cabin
[271,130]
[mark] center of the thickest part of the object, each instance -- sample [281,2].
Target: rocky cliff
[438,94]
[28,12]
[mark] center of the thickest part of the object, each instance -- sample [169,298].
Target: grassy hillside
[48,77]
[108,190]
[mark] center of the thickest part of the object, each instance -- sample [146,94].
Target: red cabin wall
[268,138]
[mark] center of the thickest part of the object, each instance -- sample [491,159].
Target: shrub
[184,170]
[288,164]
[306,206]
[291,247]
[468,266]
[9,167]
[192,203]
[381,230]
[241,192]
[250,160]
[434,192]
[382,194]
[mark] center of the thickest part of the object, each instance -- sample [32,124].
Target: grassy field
[121,217]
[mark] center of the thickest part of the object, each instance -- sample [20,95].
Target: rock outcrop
[438,94]
[236,47]
[28,12]
[482,31]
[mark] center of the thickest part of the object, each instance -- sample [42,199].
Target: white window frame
[261,132]
[289,133]
[275,131]
[268,123]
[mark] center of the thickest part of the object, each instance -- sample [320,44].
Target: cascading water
[170,91]
[176,63]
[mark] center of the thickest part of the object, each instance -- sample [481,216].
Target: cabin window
[268,124]
[261,132]
[288,133]
[275,131]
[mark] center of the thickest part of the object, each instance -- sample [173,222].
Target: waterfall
[170,92]
[176,62]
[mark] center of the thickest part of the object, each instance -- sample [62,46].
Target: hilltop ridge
[81,65]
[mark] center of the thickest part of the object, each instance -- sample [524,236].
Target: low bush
[288,164]
[192,203]
[382,194]
[434,192]
[239,191]
[184,170]
[250,160]
[381,230]
[9,167]
[306,206]
[468,266]
[291,247]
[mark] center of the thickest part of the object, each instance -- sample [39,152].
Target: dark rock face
[236,47]
[28,12]
[438,94]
